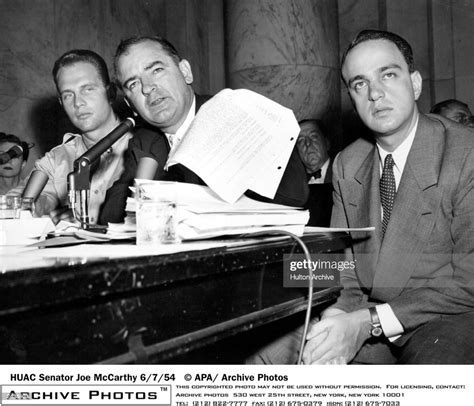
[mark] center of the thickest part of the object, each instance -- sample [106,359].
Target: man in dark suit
[158,84]
[410,298]
[313,148]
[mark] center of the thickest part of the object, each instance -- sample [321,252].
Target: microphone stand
[79,180]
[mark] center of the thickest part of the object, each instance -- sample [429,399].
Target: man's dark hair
[15,140]
[439,107]
[126,44]
[369,35]
[82,55]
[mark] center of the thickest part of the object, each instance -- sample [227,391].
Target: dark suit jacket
[424,267]
[319,201]
[151,142]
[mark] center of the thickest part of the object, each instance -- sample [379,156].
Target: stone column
[288,51]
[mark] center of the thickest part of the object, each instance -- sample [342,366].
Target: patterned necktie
[387,190]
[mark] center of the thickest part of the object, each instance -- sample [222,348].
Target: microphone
[79,180]
[105,143]
[13,152]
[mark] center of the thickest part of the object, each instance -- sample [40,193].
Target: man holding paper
[158,84]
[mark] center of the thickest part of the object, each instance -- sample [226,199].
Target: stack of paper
[24,231]
[202,214]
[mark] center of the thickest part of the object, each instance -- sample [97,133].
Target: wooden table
[150,308]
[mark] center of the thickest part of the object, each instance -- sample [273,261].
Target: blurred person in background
[455,110]
[313,148]
[10,170]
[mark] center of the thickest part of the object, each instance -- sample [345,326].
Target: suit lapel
[414,212]
[328,177]
[361,199]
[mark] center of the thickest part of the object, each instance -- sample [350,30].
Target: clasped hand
[337,339]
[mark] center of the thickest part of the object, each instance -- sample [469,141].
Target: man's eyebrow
[88,84]
[352,80]
[153,64]
[391,66]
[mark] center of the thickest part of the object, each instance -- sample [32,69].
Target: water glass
[156,213]
[10,207]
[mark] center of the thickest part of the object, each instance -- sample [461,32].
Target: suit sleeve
[453,291]
[148,143]
[293,189]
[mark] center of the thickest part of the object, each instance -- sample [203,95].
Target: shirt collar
[324,170]
[175,139]
[400,155]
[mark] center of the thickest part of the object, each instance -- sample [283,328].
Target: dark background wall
[34,33]
[441,33]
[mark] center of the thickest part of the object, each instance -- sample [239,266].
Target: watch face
[377,331]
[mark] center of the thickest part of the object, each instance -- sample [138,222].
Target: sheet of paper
[336,229]
[24,231]
[239,140]
[190,233]
[211,221]
[201,199]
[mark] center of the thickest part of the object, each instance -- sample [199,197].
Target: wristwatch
[376,327]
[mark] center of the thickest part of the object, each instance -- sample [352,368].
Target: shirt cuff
[391,326]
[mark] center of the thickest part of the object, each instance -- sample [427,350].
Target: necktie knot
[389,162]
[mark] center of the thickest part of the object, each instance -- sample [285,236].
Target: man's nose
[375,91]
[148,87]
[79,101]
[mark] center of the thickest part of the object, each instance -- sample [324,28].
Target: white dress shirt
[175,139]
[324,170]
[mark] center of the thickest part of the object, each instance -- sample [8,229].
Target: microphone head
[131,122]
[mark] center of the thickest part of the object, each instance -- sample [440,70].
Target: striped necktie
[387,190]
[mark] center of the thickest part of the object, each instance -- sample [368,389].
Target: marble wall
[286,50]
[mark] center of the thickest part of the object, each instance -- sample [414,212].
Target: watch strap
[376,327]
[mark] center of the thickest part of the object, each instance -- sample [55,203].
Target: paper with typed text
[239,140]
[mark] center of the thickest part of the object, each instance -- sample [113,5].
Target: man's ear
[186,71]
[23,164]
[417,83]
